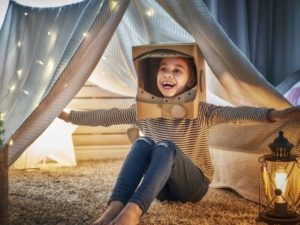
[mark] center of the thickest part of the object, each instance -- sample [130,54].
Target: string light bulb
[12,88]
[19,72]
[26,92]
[50,66]
[150,12]
[40,62]
[2,115]
[114,4]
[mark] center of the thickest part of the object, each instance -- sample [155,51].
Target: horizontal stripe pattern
[190,135]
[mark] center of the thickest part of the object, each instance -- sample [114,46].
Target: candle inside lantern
[280,182]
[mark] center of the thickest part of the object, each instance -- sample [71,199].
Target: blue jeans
[158,170]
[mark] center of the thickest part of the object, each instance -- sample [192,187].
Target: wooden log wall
[100,142]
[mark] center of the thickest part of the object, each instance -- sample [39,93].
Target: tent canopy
[50,49]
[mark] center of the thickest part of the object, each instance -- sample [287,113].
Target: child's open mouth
[168,85]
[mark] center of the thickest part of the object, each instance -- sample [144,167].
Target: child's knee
[166,143]
[146,140]
[170,146]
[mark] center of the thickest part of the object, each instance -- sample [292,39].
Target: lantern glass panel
[283,176]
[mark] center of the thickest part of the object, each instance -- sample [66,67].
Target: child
[172,161]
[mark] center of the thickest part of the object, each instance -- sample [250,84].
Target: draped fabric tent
[49,50]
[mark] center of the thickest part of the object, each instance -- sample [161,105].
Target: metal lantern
[281,178]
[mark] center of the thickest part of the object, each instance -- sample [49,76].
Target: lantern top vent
[281,148]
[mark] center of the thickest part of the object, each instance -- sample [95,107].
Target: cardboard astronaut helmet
[150,102]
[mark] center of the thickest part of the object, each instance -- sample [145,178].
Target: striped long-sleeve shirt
[190,135]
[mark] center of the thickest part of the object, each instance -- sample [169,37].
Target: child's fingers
[293,112]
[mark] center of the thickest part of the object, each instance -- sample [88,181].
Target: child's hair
[192,68]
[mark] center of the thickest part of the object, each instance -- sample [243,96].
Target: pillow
[293,95]
[289,83]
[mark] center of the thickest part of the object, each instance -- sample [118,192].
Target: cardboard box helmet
[150,102]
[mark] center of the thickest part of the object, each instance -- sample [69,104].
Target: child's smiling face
[173,76]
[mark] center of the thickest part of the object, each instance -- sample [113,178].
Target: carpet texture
[65,196]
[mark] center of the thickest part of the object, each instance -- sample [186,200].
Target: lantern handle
[261,160]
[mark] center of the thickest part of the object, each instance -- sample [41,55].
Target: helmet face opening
[147,61]
[148,66]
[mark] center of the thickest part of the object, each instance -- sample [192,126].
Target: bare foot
[110,213]
[130,215]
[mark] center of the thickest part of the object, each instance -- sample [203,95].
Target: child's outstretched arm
[100,117]
[245,115]
[292,113]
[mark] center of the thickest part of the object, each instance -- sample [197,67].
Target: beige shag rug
[74,196]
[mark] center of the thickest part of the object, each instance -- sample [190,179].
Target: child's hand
[64,116]
[292,113]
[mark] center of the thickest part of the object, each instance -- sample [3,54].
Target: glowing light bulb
[85,34]
[12,88]
[2,115]
[280,180]
[19,72]
[52,39]
[11,142]
[19,44]
[40,62]
[25,13]
[26,92]
[50,66]
[150,12]
[114,4]
[280,183]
